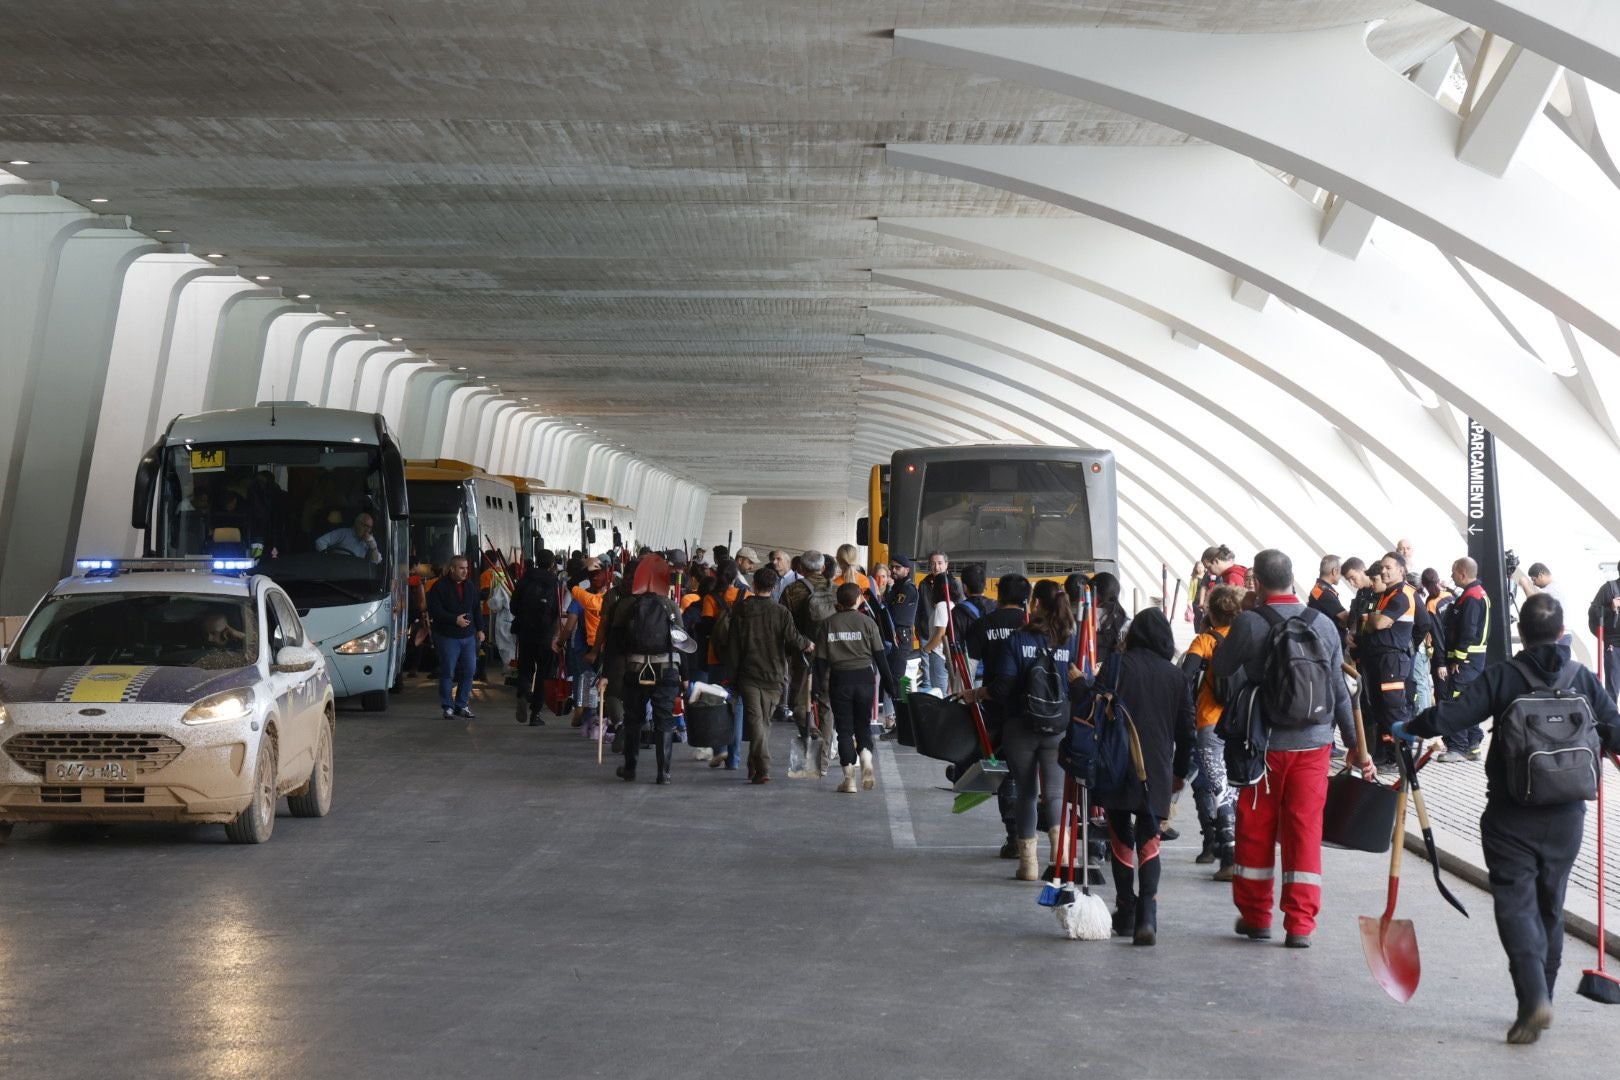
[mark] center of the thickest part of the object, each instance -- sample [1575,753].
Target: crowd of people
[836,650]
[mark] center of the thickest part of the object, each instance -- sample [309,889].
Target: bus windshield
[1032,508]
[302,509]
[437,521]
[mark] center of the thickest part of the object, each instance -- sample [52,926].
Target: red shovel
[1390,944]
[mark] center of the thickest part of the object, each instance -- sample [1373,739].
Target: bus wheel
[374,700]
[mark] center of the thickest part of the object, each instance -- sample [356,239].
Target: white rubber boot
[868,778]
[848,786]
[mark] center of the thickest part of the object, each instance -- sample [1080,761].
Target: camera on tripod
[1510,562]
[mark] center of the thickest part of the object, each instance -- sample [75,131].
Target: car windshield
[311,513]
[1030,508]
[149,629]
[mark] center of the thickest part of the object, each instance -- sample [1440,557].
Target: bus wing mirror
[393,466]
[863,531]
[883,529]
[140,510]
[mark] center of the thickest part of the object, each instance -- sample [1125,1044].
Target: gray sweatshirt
[1244,647]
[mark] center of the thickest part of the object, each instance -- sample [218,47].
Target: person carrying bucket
[1534,816]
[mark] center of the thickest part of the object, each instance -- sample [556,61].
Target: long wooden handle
[1396,846]
[1355,711]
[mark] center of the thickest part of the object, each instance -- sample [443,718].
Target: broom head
[1600,986]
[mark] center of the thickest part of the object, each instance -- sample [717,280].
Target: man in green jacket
[760,638]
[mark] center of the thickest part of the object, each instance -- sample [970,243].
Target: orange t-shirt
[711,610]
[1208,709]
[592,603]
[860,579]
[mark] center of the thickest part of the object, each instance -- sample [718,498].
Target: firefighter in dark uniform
[1467,626]
[902,604]
[1384,646]
[1325,598]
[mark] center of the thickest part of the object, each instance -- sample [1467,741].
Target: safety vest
[1460,651]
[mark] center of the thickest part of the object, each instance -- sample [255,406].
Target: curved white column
[1301,356]
[1584,35]
[1210,203]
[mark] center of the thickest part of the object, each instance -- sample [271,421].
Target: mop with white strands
[1083,915]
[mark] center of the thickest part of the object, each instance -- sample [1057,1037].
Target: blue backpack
[1101,749]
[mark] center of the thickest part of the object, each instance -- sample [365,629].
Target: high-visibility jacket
[1468,627]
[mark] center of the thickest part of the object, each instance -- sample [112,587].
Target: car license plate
[89,772]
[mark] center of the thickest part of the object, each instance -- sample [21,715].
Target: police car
[165,690]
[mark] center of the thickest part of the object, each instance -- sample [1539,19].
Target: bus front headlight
[374,642]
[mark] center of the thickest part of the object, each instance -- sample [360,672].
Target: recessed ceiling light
[99,198]
[261,277]
[162,232]
[396,339]
[340,312]
[523,399]
[368,326]
[461,369]
[215,255]
[483,376]
[302,296]
[18,161]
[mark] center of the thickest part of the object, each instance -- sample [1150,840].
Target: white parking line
[901,829]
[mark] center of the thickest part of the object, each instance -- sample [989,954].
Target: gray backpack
[1549,741]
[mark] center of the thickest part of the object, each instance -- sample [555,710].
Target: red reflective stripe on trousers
[1285,807]
[1121,853]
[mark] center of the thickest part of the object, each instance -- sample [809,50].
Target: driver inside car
[356,540]
[221,643]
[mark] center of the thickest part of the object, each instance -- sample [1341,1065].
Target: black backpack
[1043,693]
[1296,685]
[646,628]
[1549,741]
[1242,727]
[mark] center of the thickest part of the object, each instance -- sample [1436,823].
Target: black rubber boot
[1147,922]
[666,753]
[1211,829]
[1124,898]
[1226,850]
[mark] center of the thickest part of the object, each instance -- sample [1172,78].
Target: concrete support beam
[1346,226]
[1583,35]
[1249,295]
[1501,116]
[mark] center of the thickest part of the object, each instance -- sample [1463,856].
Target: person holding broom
[1530,843]
[1159,700]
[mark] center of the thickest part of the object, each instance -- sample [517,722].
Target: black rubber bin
[708,725]
[1358,815]
[904,733]
[943,728]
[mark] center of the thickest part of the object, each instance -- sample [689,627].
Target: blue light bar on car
[198,564]
[87,565]
[234,565]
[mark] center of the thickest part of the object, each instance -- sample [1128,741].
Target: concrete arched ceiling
[631,231]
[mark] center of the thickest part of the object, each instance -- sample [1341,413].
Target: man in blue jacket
[1528,849]
[455,611]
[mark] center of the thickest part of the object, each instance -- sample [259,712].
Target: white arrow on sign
[1473,529]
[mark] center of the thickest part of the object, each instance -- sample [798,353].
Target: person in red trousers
[1285,806]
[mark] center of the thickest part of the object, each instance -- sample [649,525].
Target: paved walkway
[487,901]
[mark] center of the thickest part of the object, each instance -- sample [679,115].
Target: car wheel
[254,825]
[316,798]
[374,701]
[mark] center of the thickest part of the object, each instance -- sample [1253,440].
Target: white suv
[165,690]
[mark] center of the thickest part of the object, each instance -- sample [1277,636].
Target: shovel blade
[968,800]
[1391,949]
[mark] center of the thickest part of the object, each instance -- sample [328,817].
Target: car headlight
[230,705]
[374,642]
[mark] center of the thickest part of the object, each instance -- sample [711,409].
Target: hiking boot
[1452,756]
[625,773]
[1124,916]
[1028,868]
[1253,933]
[1297,941]
[522,711]
[868,775]
[1169,834]
[847,786]
[1474,754]
[1530,1024]
[1009,850]
[1225,872]
[466,713]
